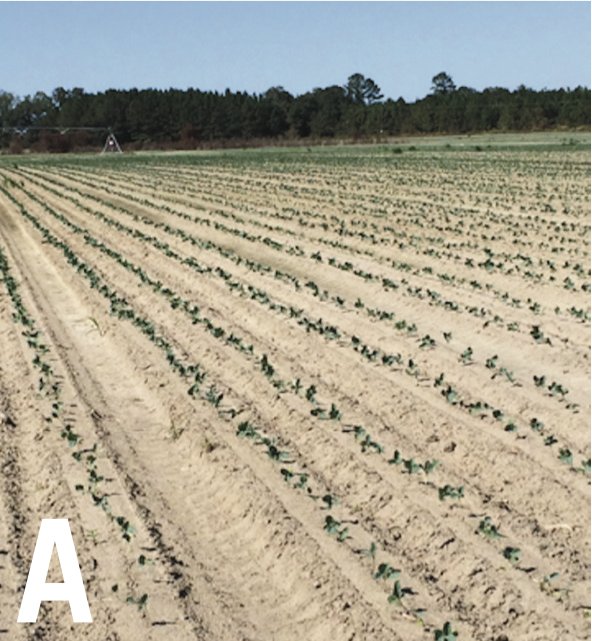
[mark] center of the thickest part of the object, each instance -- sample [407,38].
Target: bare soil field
[321,395]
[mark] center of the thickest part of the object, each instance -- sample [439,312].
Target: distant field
[303,394]
[552,140]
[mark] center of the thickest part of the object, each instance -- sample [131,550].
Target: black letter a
[71,590]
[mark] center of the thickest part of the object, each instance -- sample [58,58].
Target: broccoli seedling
[311,393]
[329,501]
[430,466]
[331,525]
[141,602]
[449,491]
[446,633]
[411,466]
[385,572]
[512,554]
[490,531]
[467,356]
[398,593]
[397,458]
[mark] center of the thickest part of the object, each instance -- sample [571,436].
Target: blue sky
[252,46]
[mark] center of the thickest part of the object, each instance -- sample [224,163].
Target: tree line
[357,110]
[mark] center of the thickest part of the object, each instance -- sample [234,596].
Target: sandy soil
[233,266]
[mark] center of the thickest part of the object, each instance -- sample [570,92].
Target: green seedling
[94,479]
[476,408]
[266,367]
[93,536]
[439,381]
[246,430]
[538,335]
[427,341]
[143,561]
[430,466]
[71,436]
[194,390]
[302,481]
[545,584]
[331,525]
[371,551]
[411,466]
[491,363]
[127,530]
[287,474]
[412,369]
[329,501]
[319,412]
[451,492]
[141,602]
[368,443]
[467,356]
[512,554]
[486,527]
[550,440]
[56,409]
[311,393]
[213,397]
[536,425]
[509,375]
[385,572]
[539,381]
[398,593]
[556,592]
[359,432]
[556,388]
[565,456]
[446,633]
[447,336]
[397,458]
[379,448]
[276,454]
[343,535]
[365,444]
[511,426]
[451,395]
[99,501]
[334,414]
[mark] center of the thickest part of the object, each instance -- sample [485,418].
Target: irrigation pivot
[111,145]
